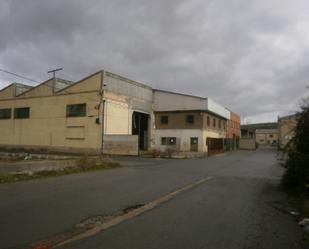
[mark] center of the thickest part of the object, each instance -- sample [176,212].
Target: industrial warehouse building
[104,111]
[108,113]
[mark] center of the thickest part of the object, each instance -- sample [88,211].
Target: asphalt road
[241,207]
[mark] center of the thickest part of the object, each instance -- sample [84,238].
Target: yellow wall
[7,93]
[44,89]
[48,125]
[286,128]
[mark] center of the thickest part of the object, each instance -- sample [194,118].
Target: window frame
[163,140]
[70,113]
[164,119]
[18,115]
[190,119]
[169,141]
[4,117]
[208,121]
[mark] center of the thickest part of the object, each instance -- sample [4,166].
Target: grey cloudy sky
[251,56]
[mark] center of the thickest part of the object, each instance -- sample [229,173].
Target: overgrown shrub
[296,176]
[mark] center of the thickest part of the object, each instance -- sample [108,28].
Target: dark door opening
[194,144]
[140,128]
[215,145]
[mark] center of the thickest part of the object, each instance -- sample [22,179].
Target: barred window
[163,140]
[171,140]
[168,140]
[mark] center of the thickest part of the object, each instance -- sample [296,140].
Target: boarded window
[164,119]
[23,112]
[190,119]
[5,113]
[75,132]
[76,110]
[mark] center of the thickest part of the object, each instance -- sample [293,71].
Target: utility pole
[54,76]
[54,71]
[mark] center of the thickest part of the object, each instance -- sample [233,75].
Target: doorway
[140,128]
[194,144]
[215,145]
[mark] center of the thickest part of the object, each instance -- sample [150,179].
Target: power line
[65,91]
[26,78]
[17,75]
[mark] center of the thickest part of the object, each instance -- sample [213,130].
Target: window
[164,119]
[163,140]
[214,122]
[23,112]
[271,135]
[171,140]
[5,113]
[219,124]
[168,140]
[77,110]
[190,119]
[208,121]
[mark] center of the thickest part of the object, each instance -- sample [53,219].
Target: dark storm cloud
[252,56]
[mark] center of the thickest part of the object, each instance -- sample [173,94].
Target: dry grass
[83,165]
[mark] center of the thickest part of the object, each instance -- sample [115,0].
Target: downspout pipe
[102,103]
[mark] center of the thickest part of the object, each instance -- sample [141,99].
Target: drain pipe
[102,103]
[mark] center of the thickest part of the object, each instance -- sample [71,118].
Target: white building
[188,123]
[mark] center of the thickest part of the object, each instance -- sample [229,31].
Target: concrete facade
[247,144]
[286,129]
[188,121]
[266,136]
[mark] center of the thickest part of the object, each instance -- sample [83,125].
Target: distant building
[188,123]
[266,136]
[286,128]
[248,130]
